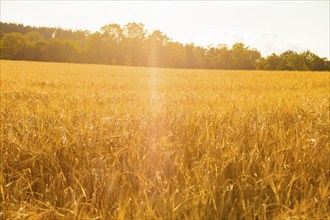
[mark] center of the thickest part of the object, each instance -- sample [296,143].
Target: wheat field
[81,141]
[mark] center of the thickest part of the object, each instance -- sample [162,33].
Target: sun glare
[164,110]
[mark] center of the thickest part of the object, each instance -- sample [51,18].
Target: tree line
[133,45]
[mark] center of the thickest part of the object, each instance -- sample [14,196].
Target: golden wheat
[110,142]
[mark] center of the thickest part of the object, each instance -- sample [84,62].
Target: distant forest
[133,45]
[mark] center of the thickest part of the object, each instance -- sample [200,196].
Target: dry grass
[89,141]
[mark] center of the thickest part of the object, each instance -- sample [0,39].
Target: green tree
[96,50]
[218,57]
[40,50]
[244,58]
[314,62]
[194,56]
[34,36]
[155,48]
[70,52]
[14,46]
[272,62]
[54,50]
[113,36]
[175,55]
[134,44]
[296,62]
[292,61]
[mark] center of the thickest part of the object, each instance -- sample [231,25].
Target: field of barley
[83,141]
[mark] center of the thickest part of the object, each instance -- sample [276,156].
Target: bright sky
[269,26]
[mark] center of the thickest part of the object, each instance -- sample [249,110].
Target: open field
[92,141]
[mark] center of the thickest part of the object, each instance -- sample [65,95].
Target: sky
[269,26]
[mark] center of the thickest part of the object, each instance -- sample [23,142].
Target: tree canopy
[132,44]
